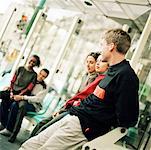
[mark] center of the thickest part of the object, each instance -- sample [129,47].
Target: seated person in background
[25,103]
[22,83]
[101,68]
[90,68]
[114,103]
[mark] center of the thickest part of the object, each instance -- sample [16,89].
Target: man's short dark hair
[120,38]
[46,70]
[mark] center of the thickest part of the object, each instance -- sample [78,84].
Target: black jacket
[113,103]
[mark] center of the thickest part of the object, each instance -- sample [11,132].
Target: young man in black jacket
[113,103]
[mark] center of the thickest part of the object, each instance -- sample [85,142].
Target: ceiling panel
[139,10]
[110,9]
[62,4]
[123,10]
[74,5]
[126,9]
[134,11]
[138,2]
[84,7]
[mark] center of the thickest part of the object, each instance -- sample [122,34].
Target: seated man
[25,103]
[113,103]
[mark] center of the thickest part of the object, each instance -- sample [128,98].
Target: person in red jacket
[101,68]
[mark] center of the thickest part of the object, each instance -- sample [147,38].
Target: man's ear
[111,46]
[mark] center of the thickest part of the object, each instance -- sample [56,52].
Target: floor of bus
[22,136]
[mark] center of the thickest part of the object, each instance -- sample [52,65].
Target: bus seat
[49,104]
[144,92]
[107,141]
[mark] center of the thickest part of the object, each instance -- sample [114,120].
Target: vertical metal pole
[40,6]
[6,25]
[141,43]
[63,50]
[31,48]
[26,43]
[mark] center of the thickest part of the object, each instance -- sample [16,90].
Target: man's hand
[55,114]
[11,95]
[18,97]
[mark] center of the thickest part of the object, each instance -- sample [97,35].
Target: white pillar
[4,28]
[26,43]
[35,39]
[141,43]
[63,50]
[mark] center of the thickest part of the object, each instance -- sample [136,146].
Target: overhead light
[88,3]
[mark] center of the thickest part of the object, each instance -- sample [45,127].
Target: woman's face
[90,64]
[101,66]
[32,62]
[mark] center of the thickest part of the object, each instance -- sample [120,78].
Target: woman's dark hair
[37,59]
[46,70]
[95,55]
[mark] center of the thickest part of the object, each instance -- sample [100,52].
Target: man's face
[42,75]
[105,51]
[90,64]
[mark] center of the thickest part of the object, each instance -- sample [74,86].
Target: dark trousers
[12,112]
[7,118]
[23,107]
[46,123]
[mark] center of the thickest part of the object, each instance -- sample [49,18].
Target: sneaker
[1,126]
[5,132]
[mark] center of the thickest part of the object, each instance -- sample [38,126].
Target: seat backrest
[52,105]
[47,100]
[47,112]
[144,91]
[45,105]
[60,104]
[140,88]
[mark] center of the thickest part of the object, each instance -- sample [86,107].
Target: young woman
[90,68]
[22,83]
